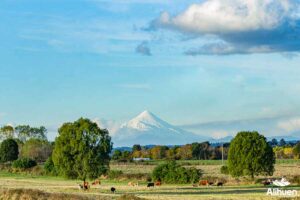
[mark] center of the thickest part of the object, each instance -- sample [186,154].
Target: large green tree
[9,150]
[250,155]
[82,150]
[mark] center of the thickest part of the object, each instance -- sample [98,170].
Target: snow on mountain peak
[144,121]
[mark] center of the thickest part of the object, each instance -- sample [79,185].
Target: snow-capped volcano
[145,121]
[147,128]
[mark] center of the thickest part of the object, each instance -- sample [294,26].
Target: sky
[213,67]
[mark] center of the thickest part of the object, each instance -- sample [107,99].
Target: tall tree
[282,142]
[9,150]
[296,151]
[250,155]
[6,132]
[82,150]
[136,147]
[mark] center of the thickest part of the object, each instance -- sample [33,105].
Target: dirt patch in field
[28,194]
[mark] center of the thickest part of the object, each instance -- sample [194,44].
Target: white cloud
[225,16]
[110,125]
[237,26]
[290,125]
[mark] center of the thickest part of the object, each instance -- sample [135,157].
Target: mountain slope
[147,128]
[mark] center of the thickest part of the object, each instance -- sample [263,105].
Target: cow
[133,184]
[86,185]
[267,182]
[195,185]
[96,182]
[219,184]
[210,183]
[157,183]
[113,190]
[150,185]
[203,182]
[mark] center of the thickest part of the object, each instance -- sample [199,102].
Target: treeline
[194,151]
[24,142]
[200,151]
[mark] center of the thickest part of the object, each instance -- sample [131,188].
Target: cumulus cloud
[290,125]
[241,26]
[143,49]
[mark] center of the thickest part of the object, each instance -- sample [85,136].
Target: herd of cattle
[86,185]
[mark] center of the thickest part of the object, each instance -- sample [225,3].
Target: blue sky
[189,62]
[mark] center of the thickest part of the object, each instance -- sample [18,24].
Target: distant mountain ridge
[147,128]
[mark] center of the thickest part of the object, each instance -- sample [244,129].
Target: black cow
[219,184]
[150,185]
[113,190]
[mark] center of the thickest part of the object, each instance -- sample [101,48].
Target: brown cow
[96,182]
[158,183]
[133,184]
[86,185]
[203,183]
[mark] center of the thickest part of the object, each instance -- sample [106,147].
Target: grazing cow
[203,182]
[210,183]
[158,183]
[96,182]
[267,182]
[219,184]
[133,184]
[86,185]
[113,190]
[150,185]
[195,185]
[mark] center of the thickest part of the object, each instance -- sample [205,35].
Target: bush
[224,170]
[113,174]
[171,172]
[49,167]
[24,163]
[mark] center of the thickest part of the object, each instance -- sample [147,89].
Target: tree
[136,147]
[185,152]
[274,142]
[82,150]
[296,151]
[36,149]
[200,150]
[25,132]
[282,142]
[117,155]
[6,132]
[9,150]
[250,155]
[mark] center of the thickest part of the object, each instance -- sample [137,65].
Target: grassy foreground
[29,187]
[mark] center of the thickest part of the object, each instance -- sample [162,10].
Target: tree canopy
[250,155]
[9,150]
[82,150]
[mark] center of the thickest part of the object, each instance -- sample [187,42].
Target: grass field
[232,190]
